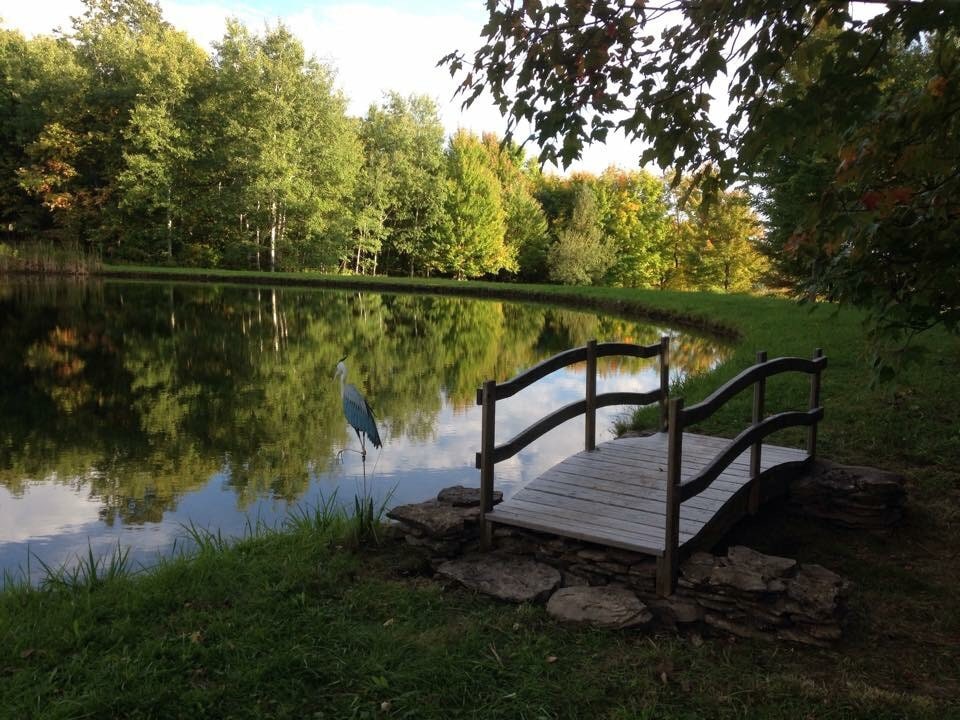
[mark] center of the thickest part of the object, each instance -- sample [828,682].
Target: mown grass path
[306,624]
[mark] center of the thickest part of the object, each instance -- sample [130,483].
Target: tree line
[123,135]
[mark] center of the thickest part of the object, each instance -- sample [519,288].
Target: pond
[131,410]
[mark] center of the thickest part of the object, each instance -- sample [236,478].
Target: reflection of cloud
[57,539]
[405,462]
[44,509]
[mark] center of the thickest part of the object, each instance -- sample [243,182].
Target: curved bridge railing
[680,418]
[490,454]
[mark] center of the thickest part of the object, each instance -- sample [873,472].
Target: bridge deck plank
[616,494]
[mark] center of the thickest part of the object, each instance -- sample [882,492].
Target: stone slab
[461,496]
[608,607]
[850,496]
[504,577]
[435,519]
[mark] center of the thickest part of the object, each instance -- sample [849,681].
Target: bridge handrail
[762,370]
[490,454]
[547,423]
[752,437]
[511,387]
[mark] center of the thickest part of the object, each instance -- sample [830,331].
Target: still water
[129,410]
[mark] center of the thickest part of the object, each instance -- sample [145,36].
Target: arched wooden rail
[487,396]
[647,487]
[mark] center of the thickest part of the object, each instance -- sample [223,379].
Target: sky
[375,45]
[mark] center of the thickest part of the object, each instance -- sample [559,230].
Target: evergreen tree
[580,256]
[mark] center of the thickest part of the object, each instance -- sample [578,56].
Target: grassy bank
[607,299]
[307,623]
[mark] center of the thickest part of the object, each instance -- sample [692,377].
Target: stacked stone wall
[744,592]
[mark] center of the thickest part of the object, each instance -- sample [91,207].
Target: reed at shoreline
[47,258]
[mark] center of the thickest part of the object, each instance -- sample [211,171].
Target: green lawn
[308,624]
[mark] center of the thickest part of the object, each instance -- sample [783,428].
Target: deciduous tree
[526,223]
[473,242]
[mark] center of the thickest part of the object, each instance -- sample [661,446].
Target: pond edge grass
[361,525]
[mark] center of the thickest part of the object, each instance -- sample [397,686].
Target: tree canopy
[122,136]
[881,226]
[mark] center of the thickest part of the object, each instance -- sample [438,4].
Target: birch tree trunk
[273,236]
[169,226]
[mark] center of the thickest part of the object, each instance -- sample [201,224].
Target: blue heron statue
[357,411]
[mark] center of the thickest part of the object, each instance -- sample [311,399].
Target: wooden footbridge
[666,495]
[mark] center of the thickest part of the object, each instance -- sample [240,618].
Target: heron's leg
[363,445]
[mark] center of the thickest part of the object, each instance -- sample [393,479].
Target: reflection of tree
[141,393]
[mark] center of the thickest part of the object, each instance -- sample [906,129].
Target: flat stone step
[504,577]
[607,607]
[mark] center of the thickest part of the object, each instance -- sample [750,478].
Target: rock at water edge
[436,519]
[460,496]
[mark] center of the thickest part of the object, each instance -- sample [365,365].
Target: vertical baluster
[488,399]
[664,380]
[668,562]
[590,426]
[814,403]
[759,396]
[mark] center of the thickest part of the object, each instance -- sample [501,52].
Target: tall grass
[325,517]
[361,527]
[365,523]
[88,572]
[48,258]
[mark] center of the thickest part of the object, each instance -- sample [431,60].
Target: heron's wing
[373,433]
[359,415]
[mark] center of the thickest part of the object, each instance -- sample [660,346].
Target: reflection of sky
[55,522]
[415,470]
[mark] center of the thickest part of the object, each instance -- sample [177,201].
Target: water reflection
[130,408]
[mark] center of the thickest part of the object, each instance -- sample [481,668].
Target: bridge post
[668,563]
[488,398]
[664,380]
[814,403]
[759,396]
[590,426]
